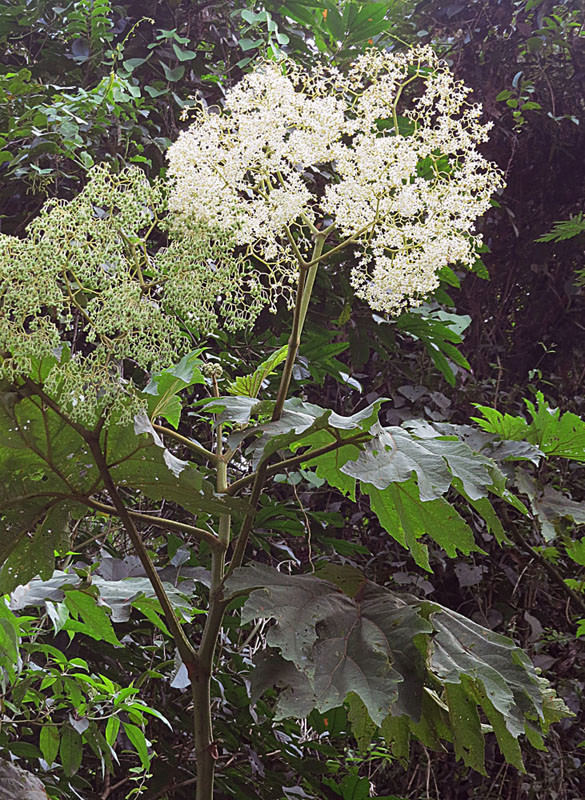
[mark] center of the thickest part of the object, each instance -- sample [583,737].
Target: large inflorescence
[383,157]
[385,154]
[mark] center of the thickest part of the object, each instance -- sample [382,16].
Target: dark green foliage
[96,81]
[391,652]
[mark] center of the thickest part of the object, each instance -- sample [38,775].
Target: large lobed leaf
[418,669]
[48,474]
[406,471]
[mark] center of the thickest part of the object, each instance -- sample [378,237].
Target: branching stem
[185,648]
[160,522]
[190,444]
[294,461]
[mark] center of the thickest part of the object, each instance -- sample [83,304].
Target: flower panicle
[385,157]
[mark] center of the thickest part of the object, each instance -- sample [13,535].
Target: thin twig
[195,447]
[159,522]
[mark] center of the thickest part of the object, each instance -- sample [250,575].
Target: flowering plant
[381,163]
[293,169]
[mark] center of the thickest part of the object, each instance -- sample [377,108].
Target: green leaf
[165,386]
[554,433]
[383,505]
[58,613]
[362,726]
[334,23]
[504,425]
[352,787]
[142,462]
[465,723]
[250,385]
[564,229]
[9,640]
[507,742]
[394,454]
[486,511]
[70,750]
[301,420]
[329,465]
[172,75]
[49,741]
[112,728]
[576,550]
[35,554]
[138,739]
[350,651]
[184,55]
[95,622]
[462,647]
[249,44]
[130,64]
[117,596]
[396,733]
[439,335]
[385,652]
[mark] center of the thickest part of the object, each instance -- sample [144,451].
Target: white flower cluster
[385,155]
[83,274]
[382,160]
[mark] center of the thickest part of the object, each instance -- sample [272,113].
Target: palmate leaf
[34,552]
[554,433]
[35,499]
[419,669]
[118,596]
[298,422]
[48,472]
[407,519]
[406,471]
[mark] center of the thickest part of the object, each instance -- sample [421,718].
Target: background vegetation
[86,82]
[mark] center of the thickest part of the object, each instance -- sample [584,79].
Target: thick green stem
[306,282]
[205,746]
[195,447]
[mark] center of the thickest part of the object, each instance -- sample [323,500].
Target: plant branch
[296,251]
[195,447]
[294,461]
[185,648]
[320,256]
[160,522]
[301,306]
[306,281]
